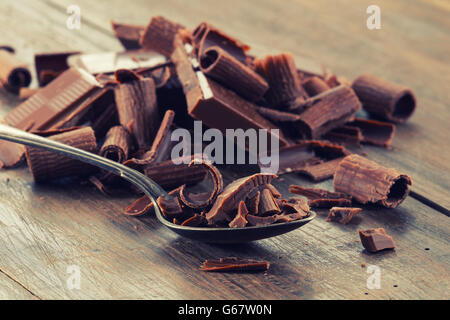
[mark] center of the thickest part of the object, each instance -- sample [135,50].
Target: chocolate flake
[235,264]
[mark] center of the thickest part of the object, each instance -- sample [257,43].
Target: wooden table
[46,230]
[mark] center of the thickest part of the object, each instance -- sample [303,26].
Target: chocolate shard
[315,85]
[384,99]
[235,264]
[267,204]
[117,144]
[284,81]
[316,193]
[345,135]
[206,199]
[374,132]
[144,204]
[14,73]
[342,215]
[205,36]
[328,110]
[129,35]
[374,240]
[229,199]
[252,202]
[170,208]
[224,68]
[159,35]
[368,182]
[261,220]
[304,155]
[137,109]
[196,220]
[203,95]
[46,166]
[329,203]
[50,65]
[170,174]
[321,171]
[239,220]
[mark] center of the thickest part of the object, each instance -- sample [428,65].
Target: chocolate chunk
[235,264]
[205,36]
[328,110]
[50,65]
[368,182]
[342,215]
[159,35]
[384,99]
[284,81]
[129,35]
[374,240]
[315,85]
[46,166]
[235,192]
[137,109]
[170,208]
[239,220]
[267,204]
[14,74]
[223,67]
[117,144]
[374,132]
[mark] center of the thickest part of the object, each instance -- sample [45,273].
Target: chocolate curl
[239,221]
[13,73]
[368,182]
[384,99]
[283,78]
[46,166]
[205,36]
[159,35]
[223,67]
[116,145]
[374,132]
[328,110]
[128,35]
[267,204]
[137,109]
[315,85]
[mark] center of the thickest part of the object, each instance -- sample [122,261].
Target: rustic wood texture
[46,229]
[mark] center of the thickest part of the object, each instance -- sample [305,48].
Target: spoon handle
[147,185]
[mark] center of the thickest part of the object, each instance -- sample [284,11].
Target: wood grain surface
[44,230]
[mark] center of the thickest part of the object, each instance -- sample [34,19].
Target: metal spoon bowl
[153,191]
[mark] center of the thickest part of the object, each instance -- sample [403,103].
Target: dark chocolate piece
[159,35]
[235,192]
[46,166]
[195,221]
[328,110]
[137,109]
[239,220]
[50,65]
[284,81]
[235,264]
[126,76]
[252,202]
[374,240]
[223,67]
[321,171]
[129,35]
[329,203]
[345,135]
[117,144]
[14,74]
[315,85]
[342,215]
[267,204]
[368,182]
[205,36]
[260,220]
[144,204]
[384,99]
[170,208]
[375,132]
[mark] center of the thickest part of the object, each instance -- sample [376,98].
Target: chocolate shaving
[195,221]
[267,204]
[128,34]
[342,215]
[316,193]
[223,67]
[159,35]
[117,144]
[260,220]
[368,182]
[375,132]
[170,208]
[329,203]
[239,220]
[235,264]
[46,166]
[345,135]
[374,240]
[13,73]
[315,85]
[284,81]
[384,99]
[252,202]
[321,171]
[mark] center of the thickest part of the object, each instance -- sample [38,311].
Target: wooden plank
[11,290]
[409,48]
[45,230]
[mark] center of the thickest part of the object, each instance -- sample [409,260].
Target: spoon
[153,191]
